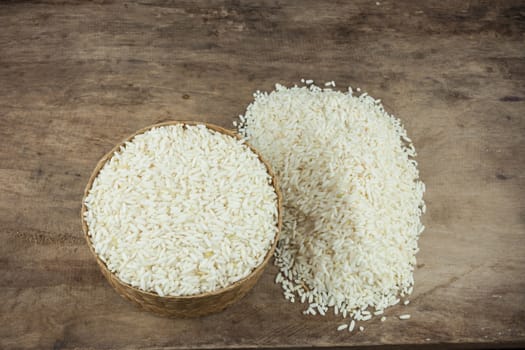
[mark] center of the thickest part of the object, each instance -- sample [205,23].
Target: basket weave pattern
[192,305]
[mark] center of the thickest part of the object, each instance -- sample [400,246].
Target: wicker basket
[183,306]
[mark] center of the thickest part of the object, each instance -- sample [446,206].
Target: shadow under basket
[191,305]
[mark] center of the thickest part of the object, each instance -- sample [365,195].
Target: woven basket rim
[229,132]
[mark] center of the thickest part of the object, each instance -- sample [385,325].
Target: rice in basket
[181,210]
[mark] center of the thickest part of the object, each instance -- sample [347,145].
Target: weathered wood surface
[77,77]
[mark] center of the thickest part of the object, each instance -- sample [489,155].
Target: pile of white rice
[181,210]
[352,198]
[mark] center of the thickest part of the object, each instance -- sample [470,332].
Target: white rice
[181,210]
[352,196]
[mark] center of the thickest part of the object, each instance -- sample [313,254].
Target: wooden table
[75,78]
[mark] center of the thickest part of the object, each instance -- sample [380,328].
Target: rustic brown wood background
[77,77]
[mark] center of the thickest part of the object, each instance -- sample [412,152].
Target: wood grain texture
[76,77]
